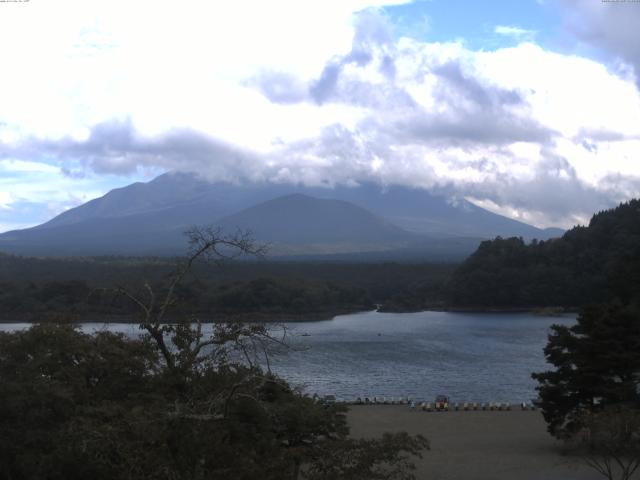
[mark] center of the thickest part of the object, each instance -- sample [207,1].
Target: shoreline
[545,311]
[256,317]
[259,317]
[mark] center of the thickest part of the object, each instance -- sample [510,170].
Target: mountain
[326,224]
[183,199]
[420,211]
[596,263]
[149,218]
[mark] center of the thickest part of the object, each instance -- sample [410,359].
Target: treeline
[593,264]
[84,289]
[425,294]
[75,300]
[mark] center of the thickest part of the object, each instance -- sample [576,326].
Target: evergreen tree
[597,365]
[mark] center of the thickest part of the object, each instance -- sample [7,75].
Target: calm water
[471,357]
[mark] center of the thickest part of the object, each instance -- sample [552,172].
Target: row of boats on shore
[441,404]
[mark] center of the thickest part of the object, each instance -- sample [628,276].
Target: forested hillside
[81,289]
[590,264]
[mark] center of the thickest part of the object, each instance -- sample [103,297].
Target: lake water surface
[468,356]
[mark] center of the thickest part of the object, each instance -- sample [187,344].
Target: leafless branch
[206,243]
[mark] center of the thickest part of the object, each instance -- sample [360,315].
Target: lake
[468,356]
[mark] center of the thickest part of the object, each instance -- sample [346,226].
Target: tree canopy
[597,364]
[592,264]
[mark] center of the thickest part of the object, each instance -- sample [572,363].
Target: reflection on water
[471,357]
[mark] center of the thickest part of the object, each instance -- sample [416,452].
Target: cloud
[280,87]
[544,136]
[117,148]
[372,37]
[32,192]
[5,201]
[611,26]
[553,193]
[515,32]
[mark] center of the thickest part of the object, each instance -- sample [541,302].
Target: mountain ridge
[148,218]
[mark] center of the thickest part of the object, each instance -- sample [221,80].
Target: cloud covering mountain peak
[332,96]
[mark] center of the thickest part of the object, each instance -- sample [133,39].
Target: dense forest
[592,264]
[41,289]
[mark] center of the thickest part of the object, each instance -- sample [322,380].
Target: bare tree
[611,442]
[205,244]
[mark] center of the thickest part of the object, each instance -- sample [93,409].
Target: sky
[530,109]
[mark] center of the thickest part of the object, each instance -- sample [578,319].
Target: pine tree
[597,365]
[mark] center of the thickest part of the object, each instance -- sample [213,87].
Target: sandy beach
[475,445]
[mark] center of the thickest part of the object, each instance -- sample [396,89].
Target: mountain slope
[420,211]
[148,218]
[301,219]
[187,199]
[131,235]
[294,224]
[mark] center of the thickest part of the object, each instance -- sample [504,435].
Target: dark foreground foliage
[591,400]
[175,403]
[596,362]
[597,365]
[103,406]
[610,441]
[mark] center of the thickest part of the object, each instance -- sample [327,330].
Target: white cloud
[305,91]
[33,192]
[513,31]
[9,165]
[5,200]
[163,64]
[611,26]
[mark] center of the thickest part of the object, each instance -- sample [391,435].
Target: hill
[317,224]
[590,264]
